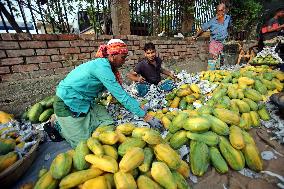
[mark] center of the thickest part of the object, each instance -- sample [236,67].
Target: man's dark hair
[281,9]
[149,46]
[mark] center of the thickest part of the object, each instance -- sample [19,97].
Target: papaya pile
[268,59]
[40,111]
[14,143]
[217,132]
[119,157]
[183,97]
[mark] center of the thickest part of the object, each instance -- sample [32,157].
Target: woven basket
[10,175]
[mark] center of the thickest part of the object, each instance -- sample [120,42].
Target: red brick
[93,54]
[45,37]
[16,36]
[4,70]
[8,37]
[105,37]
[87,37]
[51,65]
[41,73]
[84,56]
[33,44]
[162,46]
[67,37]
[25,68]
[23,36]
[71,50]
[133,48]
[136,42]
[12,61]
[95,43]
[63,70]
[58,44]
[68,63]
[18,53]
[129,43]
[9,45]
[122,37]
[132,37]
[77,63]
[15,77]
[2,54]
[79,43]
[47,51]
[74,57]
[37,59]
[87,49]
[60,57]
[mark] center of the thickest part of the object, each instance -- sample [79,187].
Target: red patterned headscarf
[114,46]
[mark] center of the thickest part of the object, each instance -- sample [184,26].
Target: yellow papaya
[175,102]
[162,175]
[47,181]
[61,166]
[79,177]
[126,128]
[7,160]
[105,163]
[144,182]
[110,151]
[108,137]
[124,180]
[98,182]
[166,154]
[132,159]
[236,137]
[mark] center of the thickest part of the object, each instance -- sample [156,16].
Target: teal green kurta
[77,92]
[84,83]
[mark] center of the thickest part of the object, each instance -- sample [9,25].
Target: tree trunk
[187,16]
[156,15]
[120,17]
[9,17]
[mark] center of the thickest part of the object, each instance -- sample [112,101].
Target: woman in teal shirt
[76,112]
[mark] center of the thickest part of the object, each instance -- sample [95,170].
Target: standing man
[148,71]
[218,27]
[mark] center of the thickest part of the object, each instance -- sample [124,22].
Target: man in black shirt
[148,71]
[273,27]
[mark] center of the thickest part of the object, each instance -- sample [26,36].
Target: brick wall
[32,65]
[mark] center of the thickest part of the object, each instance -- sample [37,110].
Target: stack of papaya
[217,132]
[183,97]
[263,79]
[40,111]
[15,143]
[119,157]
[7,154]
[216,135]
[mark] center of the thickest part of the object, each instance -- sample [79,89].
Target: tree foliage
[245,14]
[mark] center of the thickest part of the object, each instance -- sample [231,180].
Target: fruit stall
[221,131]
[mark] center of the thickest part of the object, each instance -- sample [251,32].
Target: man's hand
[173,76]
[141,79]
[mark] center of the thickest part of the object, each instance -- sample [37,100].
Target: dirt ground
[235,180]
